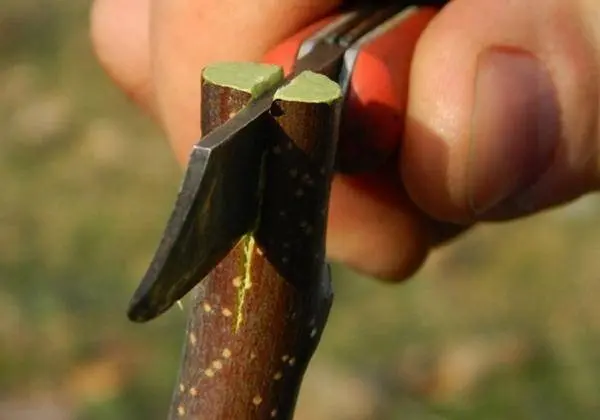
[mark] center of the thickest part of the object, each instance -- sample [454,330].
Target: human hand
[500,106]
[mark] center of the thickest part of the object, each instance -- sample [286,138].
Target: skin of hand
[501,108]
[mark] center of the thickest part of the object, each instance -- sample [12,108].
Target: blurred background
[504,324]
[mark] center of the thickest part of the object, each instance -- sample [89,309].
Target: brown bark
[256,320]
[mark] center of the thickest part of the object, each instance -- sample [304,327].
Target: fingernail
[514,128]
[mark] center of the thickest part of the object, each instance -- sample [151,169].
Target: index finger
[186,36]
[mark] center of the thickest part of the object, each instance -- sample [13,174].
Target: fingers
[187,35]
[154,50]
[374,228]
[119,33]
[503,110]
[502,115]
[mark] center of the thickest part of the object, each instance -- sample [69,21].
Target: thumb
[503,110]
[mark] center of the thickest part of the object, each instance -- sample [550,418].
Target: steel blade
[217,204]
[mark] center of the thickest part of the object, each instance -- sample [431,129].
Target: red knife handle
[374,108]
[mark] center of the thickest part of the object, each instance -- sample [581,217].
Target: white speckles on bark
[237,281]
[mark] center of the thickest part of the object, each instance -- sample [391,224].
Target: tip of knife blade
[141,310]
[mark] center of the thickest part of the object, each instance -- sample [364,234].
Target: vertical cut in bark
[256,320]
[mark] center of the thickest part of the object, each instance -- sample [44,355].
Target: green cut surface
[253,78]
[309,87]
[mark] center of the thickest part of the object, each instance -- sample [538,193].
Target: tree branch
[256,320]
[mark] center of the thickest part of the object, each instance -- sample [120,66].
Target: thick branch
[256,320]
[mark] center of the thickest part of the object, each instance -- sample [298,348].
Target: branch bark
[256,320]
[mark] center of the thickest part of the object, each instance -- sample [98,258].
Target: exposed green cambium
[246,283]
[309,87]
[253,78]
